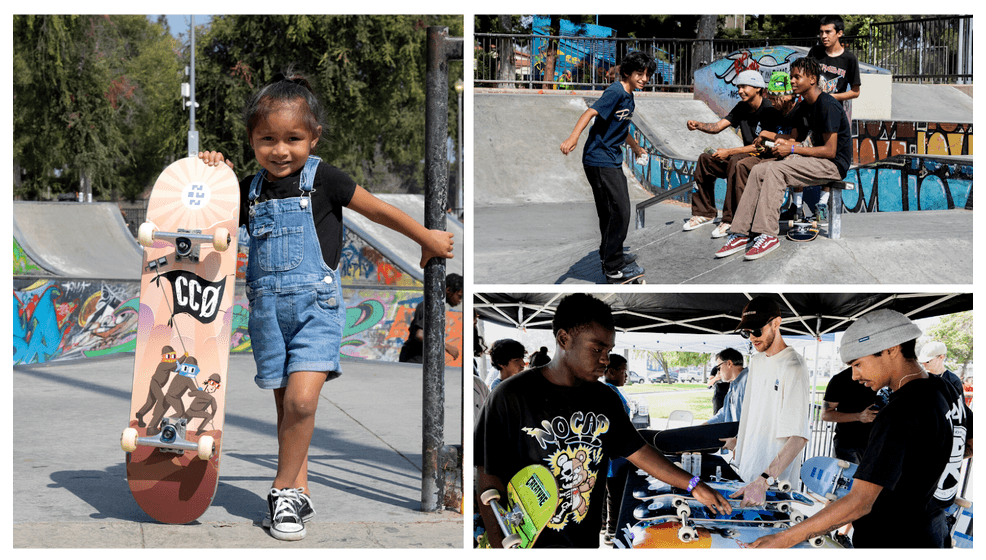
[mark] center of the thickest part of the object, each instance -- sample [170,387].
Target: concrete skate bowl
[68,311]
[74,240]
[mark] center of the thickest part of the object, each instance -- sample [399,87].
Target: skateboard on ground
[669,534]
[828,477]
[532,498]
[174,438]
[802,230]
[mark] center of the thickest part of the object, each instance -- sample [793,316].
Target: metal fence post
[441,49]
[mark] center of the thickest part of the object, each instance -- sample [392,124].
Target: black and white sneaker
[307,510]
[631,272]
[284,507]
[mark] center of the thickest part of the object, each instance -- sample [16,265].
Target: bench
[833,220]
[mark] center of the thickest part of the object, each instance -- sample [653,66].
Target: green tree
[88,103]
[955,331]
[369,72]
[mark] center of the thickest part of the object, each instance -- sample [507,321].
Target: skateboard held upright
[177,406]
[532,498]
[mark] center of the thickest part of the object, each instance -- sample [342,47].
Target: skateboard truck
[187,242]
[171,439]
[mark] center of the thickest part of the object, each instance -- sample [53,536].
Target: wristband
[792,148]
[693,483]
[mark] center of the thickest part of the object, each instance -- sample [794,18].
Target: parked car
[662,377]
[691,377]
[634,377]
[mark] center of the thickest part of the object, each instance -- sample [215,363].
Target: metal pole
[441,48]
[193,135]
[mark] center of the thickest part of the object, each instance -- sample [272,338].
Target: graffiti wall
[360,263]
[714,83]
[877,140]
[909,183]
[664,173]
[72,319]
[25,265]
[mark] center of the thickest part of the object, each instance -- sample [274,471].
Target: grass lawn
[663,398]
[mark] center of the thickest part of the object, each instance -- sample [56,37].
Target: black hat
[758,312]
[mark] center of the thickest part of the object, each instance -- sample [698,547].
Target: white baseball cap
[932,350]
[750,78]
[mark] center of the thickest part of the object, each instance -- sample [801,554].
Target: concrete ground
[558,244]
[69,475]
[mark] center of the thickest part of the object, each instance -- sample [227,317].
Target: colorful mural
[359,264]
[25,265]
[71,319]
[909,183]
[68,319]
[877,140]
[714,83]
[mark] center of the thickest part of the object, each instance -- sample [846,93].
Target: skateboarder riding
[602,160]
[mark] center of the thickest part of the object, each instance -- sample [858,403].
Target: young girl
[293,210]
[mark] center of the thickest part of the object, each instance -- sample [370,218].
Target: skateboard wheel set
[174,438]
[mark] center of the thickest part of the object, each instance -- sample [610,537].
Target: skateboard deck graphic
[666,534]
[827,476]
[183,340]
[532,498]
[671,506]
[658,489]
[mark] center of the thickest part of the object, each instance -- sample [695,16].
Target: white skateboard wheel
[511,541]
[128,441]
[784,485]
[489,495]
[684,510]
[206,447]
[843,464]
[687,534]
[831,497]
[816,542]
[220,239]
[145,234]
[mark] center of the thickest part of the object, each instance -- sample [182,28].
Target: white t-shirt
[775,408]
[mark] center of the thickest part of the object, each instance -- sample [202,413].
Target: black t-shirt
[573,431]
[751,121]
[719,395]
[827,115]
[839,73]
[915,448]
[414,349]
[852,397]
[331,190]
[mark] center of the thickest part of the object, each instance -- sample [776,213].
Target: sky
[179,23]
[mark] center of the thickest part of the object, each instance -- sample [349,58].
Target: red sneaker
[734,244]
[762,245]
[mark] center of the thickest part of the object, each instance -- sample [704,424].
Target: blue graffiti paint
[36,337]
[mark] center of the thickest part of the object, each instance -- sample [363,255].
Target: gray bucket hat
[875,332]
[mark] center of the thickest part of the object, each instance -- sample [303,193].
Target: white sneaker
[722,230]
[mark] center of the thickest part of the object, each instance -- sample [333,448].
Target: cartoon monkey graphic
[162,374]
[204,404]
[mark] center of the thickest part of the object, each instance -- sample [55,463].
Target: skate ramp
[76,240]
[401,251]
[929,103]
[664,123]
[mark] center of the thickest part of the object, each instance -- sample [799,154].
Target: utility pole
[193,135]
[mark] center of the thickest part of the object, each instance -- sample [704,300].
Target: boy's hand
[439,245]
[691,125]
[213,159]
[568,145]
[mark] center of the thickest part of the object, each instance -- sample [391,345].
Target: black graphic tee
[573,431]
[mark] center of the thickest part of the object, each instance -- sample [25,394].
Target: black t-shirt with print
[914,451]
[751,121]
[332,189]
[573,431]
[827,115]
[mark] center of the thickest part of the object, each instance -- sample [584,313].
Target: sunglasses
[747,333]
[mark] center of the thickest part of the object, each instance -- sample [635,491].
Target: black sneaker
[286,521]
[791,213]
[307,511]
[629,273]
[843,540]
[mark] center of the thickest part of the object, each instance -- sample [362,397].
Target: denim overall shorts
[297,312]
